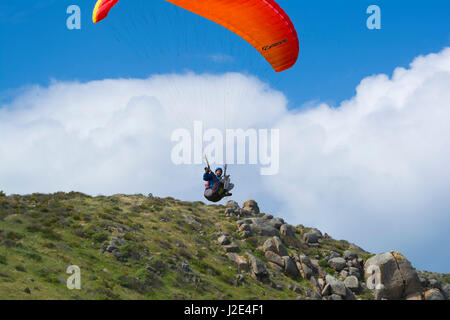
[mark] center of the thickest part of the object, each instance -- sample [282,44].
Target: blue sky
[337,50]
[379,160]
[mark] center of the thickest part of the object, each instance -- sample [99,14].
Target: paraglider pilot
[216,186]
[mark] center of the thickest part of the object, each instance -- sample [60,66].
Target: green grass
[41,235]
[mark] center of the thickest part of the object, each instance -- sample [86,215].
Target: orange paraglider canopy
[102,8]
[262,23]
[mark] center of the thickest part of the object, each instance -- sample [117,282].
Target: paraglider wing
[262,23]
[102,9]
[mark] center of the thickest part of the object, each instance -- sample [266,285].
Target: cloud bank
[374,170]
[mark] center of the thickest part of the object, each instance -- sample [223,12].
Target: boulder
[326,290]
[287,230]
[263,227]
[281,249]
[251,206]
[310,293]
[395,273]
[224,240]
[434,283]
[269,245]
[274,258]
[333,254]
[305,271]
[289,267]
[239,261]
[349,295]
[446,290]
[232,205]
[257,269]
[415,296]
[336,286]
[434,294]
[352,283]
[354,272]
[349,255]
[337,264]
[311,237]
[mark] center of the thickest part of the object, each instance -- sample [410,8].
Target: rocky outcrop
[389,275]
[395,273]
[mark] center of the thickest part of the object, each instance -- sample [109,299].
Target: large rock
[239,261]
[287,230]
[251,206]
[269,245]
[336,286]
[349,255]
[434,294]
[274,258]
[281,249]
[263,227]
[257,269]
[232,205]
[352,283]
[395,273]
[337,263]
[289,267]
[310,237]
[446,290]
[275,244]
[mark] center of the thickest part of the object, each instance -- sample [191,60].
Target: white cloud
[375,170]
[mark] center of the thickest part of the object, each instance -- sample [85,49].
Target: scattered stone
[295,288]
[310,293]
[27,290]
[224,240]
[335,297]
[190,220]
[246,234]
[233,247]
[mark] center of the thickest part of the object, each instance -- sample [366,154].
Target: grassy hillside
[138,247]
